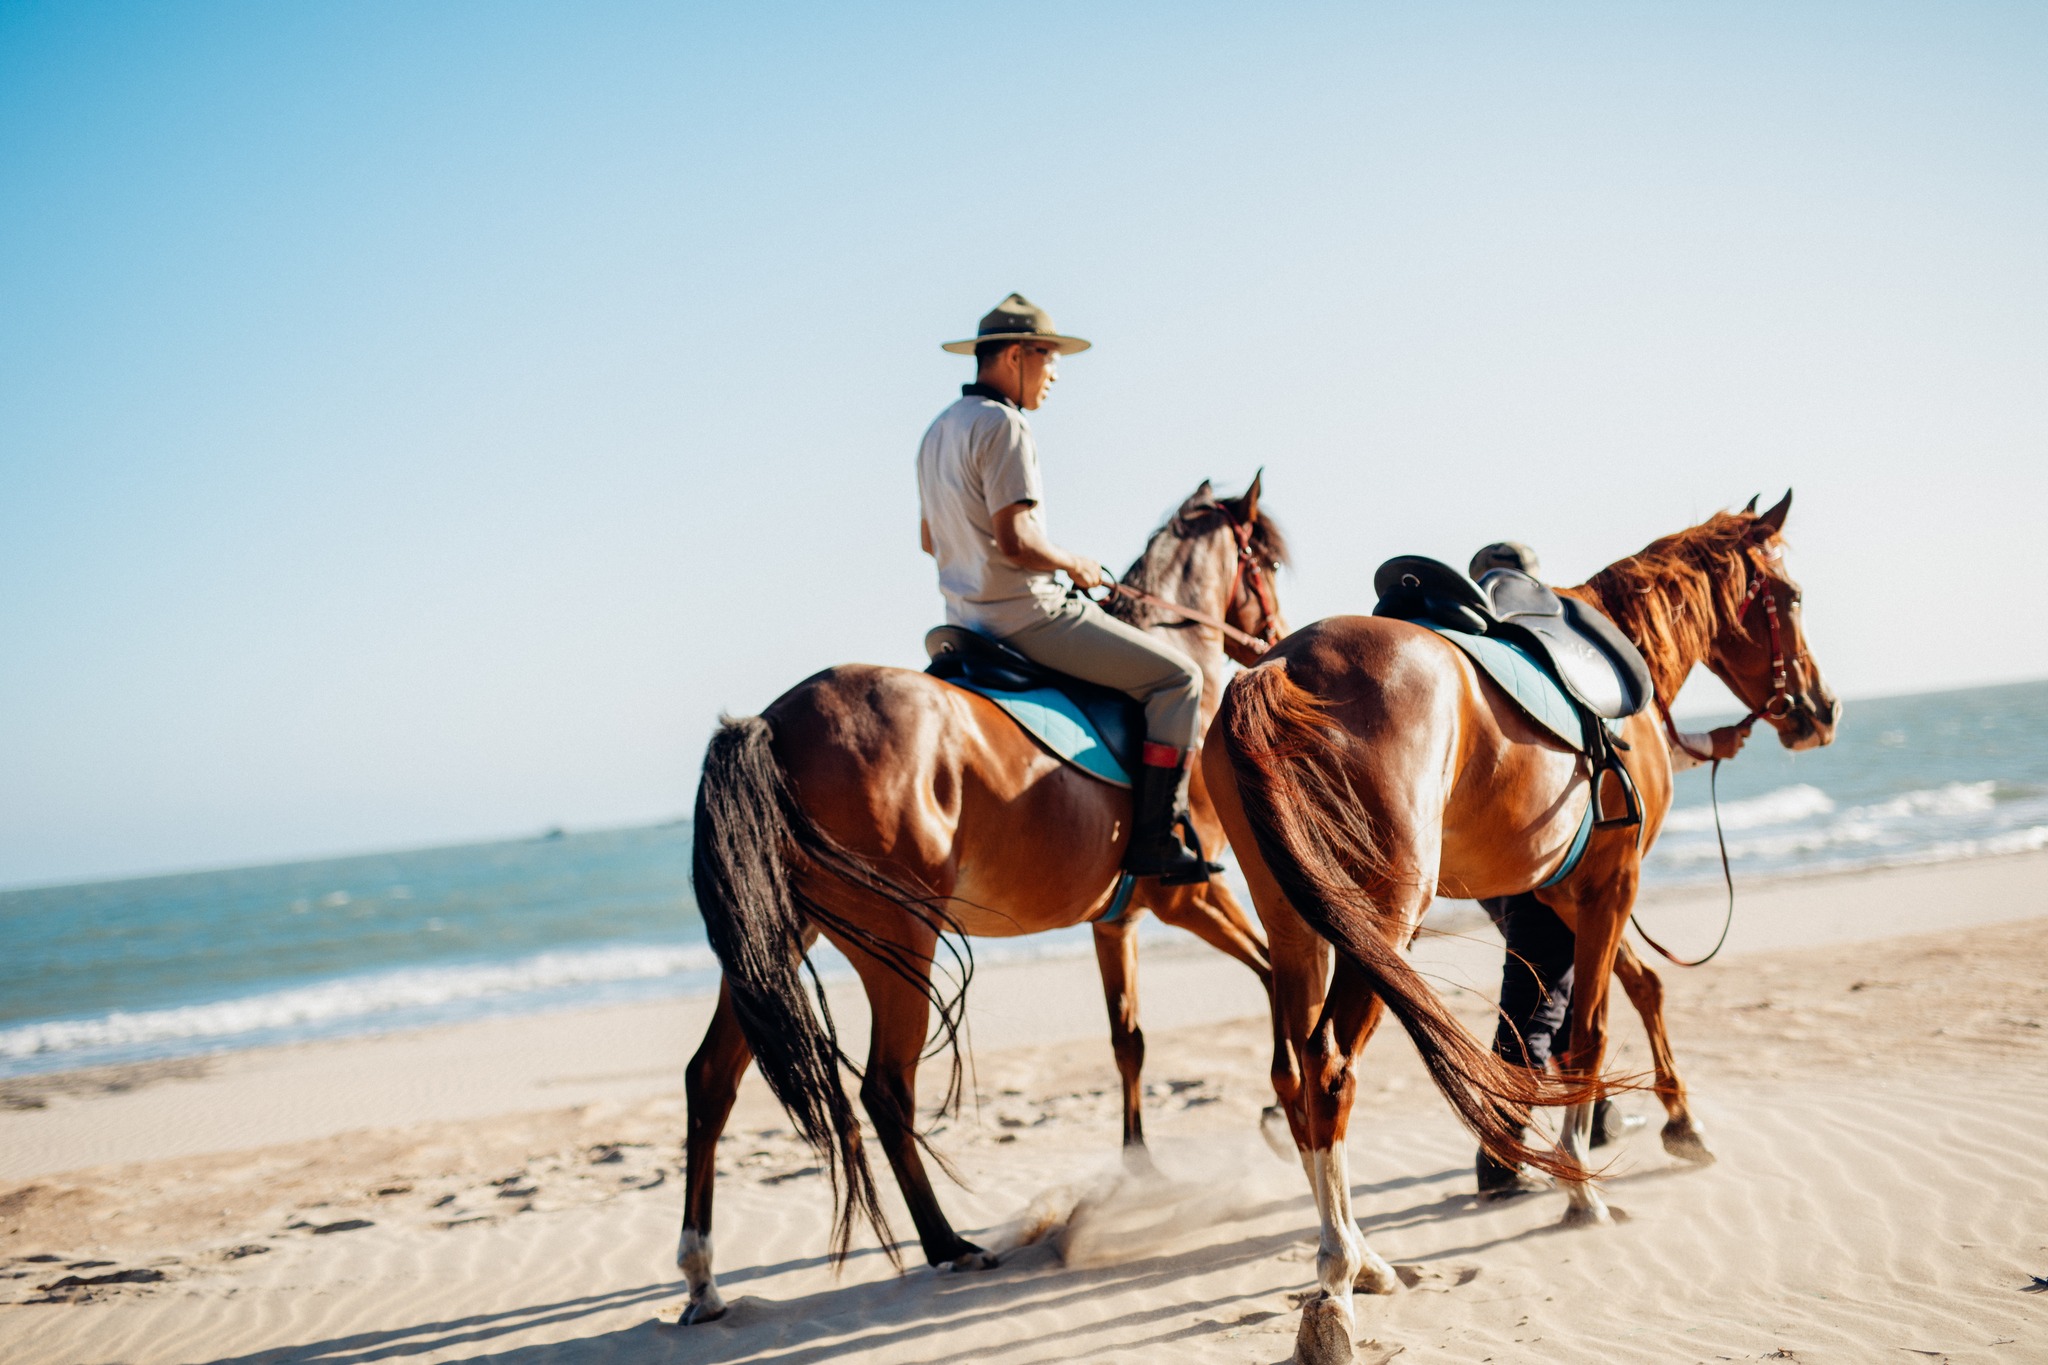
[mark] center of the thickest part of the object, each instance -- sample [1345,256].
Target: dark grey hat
[1505,554]
[1017,318]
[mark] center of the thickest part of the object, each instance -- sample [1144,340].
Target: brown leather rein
[1774,706]
[1246,568]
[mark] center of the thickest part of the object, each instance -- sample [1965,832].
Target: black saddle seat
[958,653]
[1600,668]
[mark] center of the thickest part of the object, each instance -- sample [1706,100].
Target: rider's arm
[1723,741]
[1022,539]
[924,537]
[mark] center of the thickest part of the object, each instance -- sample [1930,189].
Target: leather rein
[1775,706]
[1246,568]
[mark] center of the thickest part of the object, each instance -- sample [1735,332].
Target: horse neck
[1674,620]
[1205,588]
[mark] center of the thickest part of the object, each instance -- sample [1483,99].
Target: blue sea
[167,966]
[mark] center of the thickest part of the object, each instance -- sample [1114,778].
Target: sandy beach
[1870,1057]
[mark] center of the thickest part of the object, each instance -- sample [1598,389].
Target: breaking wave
[412,994]
[1801,828]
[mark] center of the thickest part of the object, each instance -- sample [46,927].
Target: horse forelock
[1674,595]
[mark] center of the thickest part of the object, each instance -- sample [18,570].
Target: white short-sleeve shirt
[977,458]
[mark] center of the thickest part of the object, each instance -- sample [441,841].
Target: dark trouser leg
[1535,1001]
[1536,983]
[1083,640]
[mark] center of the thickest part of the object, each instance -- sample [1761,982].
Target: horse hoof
[1273,1128]
[706,1310]
[1325,1335]
[1586,1216]
[1376,1277]
[976,1259]
[1682,1140]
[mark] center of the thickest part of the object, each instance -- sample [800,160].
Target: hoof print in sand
[1436,1279]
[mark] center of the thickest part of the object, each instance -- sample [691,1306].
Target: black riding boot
[1156,817]
[1500,1181]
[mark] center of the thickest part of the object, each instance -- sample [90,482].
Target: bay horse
[891,812]
[1365,765]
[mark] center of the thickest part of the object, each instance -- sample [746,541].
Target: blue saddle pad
[1051,717]
[1524,680]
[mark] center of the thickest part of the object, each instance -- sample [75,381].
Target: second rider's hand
[1727,740]
[1087,573]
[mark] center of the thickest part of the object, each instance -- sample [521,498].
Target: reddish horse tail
[1308,824]
[748,824]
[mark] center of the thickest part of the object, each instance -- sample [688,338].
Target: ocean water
[1927,778]
[165,966]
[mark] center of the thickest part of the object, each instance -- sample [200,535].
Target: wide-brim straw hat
[1017,318]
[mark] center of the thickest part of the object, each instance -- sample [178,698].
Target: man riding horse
[982,520]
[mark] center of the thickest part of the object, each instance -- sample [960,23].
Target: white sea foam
[1780,807]
[1789,830]
[1956,798]
[356,998]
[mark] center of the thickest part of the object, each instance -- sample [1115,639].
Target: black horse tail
[747,822]
[1316,840]
[749,827]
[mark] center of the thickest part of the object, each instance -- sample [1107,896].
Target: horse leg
[711,1082]
[1343,1260]
[1116,953]
[1211,913]
[902,1014]
[1646,992]
[1301,971]
[1597,924]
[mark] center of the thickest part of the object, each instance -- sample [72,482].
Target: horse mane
[1671,596]
[1166,566]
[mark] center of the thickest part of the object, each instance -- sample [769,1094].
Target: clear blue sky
[418,422]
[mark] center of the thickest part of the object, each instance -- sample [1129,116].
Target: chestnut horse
[1364,766]
[890,812]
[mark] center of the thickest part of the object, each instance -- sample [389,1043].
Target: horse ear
[1775,518]
[1204,496]
[1249,503]
[1749,507]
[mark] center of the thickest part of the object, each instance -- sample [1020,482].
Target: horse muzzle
[1807,720]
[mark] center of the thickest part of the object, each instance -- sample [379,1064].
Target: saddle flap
[1585,672]
[1098,729]
[1594,625]
[1513,593]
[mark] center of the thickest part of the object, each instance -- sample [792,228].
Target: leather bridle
[1776,706]
[1779,703]
[1249,569]
[1246,569]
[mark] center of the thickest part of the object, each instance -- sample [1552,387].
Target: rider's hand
[1087,573]
[1728,739]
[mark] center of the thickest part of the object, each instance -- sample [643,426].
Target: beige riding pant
[1082,639]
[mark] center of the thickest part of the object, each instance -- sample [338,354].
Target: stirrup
[1193,867]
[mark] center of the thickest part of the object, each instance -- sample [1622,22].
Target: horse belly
[1509,833]
[1043,855]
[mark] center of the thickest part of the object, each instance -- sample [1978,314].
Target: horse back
[1440,755]
[941,784]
